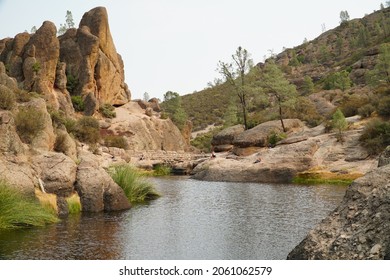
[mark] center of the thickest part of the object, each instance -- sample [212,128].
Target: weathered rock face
[10,142]
[57,171]
[18,173]
[278,165]
[96,70]
[145,132]
[96,189]
[227,136]
[258,136]
[384,158]
[358,228]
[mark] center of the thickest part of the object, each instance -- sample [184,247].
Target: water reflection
[193,220]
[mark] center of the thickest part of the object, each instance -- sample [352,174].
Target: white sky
[176,44]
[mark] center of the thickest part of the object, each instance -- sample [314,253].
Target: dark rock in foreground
[359,228]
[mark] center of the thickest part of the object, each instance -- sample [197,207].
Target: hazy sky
[176,44]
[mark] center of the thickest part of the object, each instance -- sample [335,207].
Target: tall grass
[17,211]
[133,183]
[74,205]
[161,170]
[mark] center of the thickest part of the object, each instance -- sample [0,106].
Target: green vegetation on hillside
[347,67]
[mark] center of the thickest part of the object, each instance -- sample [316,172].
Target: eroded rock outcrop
[358,228]
[96,188]
[92,63]
[258,136]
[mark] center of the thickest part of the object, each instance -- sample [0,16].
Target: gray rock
[227,136]
[384,158]
[96,189]
[363,216]
[57,171]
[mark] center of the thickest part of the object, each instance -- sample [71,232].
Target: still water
[192,220]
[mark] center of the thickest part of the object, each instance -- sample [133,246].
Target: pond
[192,220]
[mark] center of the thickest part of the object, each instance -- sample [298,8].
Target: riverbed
[192,220]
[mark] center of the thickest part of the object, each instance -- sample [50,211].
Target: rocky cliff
[40,144]
[83,62]
[358,228]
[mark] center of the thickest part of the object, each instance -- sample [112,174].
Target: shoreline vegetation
[20,211]
[133,182]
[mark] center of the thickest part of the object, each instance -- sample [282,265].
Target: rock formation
[305,152]
[95,69]
[358,228]
[83,61]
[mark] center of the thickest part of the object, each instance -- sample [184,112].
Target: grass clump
[78,103]
[107,111]
[137,189]
[74,204]
[161,170]
[18,211]
[29,123]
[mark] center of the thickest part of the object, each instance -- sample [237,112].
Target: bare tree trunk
[281,117]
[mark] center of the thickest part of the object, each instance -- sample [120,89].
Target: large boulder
[278,165]
[227,136]
[358,228]
[258,136]
[96,188]
[57,171]
[18,173]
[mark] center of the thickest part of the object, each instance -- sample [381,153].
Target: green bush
[115,141]
[71,83]
[74,205]
[135,186]
[7,98]
[78,103]
[384,107]
[376,136]
[275,137]
[107,111]
[366,110]
[60,144]
[161,170]
[87,130]
[29,123]
[17,210]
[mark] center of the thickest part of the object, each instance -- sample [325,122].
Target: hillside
[351,49]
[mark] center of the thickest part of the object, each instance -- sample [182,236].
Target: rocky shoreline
[359,228]
[306,152]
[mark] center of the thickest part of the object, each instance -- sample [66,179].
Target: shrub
[7,98]
[376,136]
[60,145]
[161,170]
[116,141]
[29,123]
[71,83]
[275,137]
[24,96]
[384,107]
[17,210]
[87,130]
[340,123]
[36,67]
[136,188]
[78,103]
[108,111]
[366,110]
